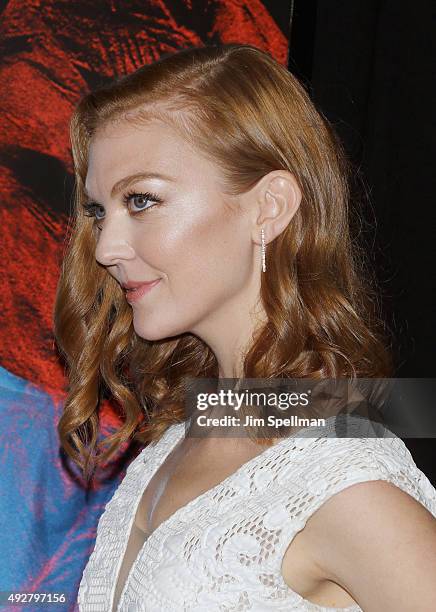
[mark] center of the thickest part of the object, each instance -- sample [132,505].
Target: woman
[211,240]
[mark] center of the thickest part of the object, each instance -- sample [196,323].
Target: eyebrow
[133,178]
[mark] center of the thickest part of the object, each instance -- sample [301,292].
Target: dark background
[368,67]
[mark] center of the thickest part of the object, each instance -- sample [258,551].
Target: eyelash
[91,207]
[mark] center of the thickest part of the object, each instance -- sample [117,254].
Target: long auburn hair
[250,115]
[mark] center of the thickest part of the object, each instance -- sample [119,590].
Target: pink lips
[136,293]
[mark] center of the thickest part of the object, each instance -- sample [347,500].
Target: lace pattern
[223,550]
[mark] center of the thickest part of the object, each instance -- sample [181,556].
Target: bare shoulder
[377,542]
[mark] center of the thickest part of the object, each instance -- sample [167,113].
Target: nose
[112,245]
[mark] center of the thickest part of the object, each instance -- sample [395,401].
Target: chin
[156,331]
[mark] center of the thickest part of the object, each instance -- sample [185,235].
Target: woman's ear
[278,197]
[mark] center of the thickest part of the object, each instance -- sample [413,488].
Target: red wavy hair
[250,115]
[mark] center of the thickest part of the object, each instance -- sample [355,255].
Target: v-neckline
[178,433]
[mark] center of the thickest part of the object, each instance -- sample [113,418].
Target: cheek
[197,250]
[207,249]
[214,272]
[204,263]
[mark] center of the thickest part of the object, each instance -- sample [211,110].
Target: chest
[209,545]
[193,468]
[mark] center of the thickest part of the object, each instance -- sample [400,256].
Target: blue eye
[140,201]
[91,210]
[132,195]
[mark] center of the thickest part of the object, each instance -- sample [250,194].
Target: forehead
[125,148]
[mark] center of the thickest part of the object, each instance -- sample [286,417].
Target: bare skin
[205,249]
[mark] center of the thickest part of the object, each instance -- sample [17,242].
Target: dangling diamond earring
[263,250]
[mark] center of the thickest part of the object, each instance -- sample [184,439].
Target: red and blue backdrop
[51,53]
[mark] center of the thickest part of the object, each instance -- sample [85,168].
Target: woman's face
[201,252]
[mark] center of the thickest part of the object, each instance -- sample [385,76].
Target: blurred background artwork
[51,53]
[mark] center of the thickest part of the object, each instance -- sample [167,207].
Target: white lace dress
[223,550]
